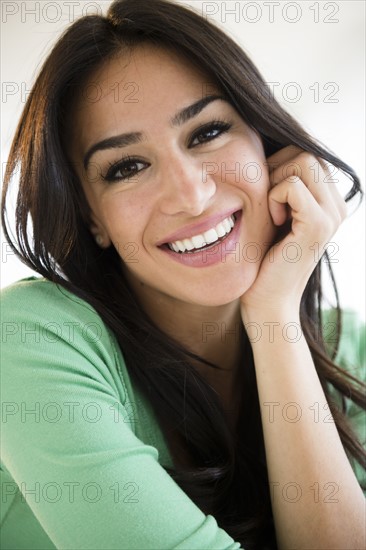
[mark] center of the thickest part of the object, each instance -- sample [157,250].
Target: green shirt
[82,451]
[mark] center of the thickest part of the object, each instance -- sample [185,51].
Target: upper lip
[198,228]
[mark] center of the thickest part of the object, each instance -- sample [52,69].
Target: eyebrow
[123,140]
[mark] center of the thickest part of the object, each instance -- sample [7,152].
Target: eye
[209,132]
[124,170]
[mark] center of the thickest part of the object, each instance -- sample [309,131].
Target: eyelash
[114,168]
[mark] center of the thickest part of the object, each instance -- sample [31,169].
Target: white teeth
[208,237]
[227,225]
[220,230]
[180,245]
[188,244]
[198,241]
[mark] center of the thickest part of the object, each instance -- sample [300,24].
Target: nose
[185,187]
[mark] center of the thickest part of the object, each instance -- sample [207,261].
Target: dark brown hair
[230,478]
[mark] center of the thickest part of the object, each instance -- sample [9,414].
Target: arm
[303,456]
[88,479]
[316,498]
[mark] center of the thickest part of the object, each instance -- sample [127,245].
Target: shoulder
[50,311]
[46,329]
[39,296]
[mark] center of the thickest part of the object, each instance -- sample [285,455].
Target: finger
[314,172]
[338,200]
[310,171]
[302,204]
[340,204]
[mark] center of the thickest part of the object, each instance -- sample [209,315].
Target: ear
[98,230]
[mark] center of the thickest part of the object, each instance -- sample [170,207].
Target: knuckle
[295,180]
[306,159]
[302,164]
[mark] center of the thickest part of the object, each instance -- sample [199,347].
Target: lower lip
[210,256]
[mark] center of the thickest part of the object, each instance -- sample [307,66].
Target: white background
[311,52]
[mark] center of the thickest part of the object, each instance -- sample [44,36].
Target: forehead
[150,66]
[136,86]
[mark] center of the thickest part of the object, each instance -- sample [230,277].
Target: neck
[212,333]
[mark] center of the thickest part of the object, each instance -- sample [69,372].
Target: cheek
[244,166]
[125,217]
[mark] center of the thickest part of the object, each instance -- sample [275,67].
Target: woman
[173,355]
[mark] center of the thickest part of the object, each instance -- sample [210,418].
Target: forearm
[316,499]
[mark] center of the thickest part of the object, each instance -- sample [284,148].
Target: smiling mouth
[205,240]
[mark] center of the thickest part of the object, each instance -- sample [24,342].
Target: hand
[313,211]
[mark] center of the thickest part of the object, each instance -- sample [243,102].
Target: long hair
[230,478]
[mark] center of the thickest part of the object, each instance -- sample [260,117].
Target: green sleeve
[351,356]
[88,480]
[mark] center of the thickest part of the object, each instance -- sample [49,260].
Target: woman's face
[171,166]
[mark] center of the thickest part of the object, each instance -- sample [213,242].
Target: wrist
[280,324]
[282,313]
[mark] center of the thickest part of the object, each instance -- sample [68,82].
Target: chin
[221,293]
